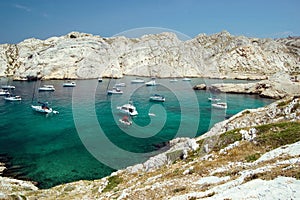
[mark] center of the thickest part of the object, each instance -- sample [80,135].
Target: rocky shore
[253,154]
[277,86]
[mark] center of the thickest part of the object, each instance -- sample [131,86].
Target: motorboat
[69,84]
[213,99]
[157,98]
[47,88]
[8,87]
[13,98]
[125,120]
[4,92]
[100,79]
[221,105]
[114,90]
[186,79]
[138,80]
[151,83]
[128,109]
[120,85]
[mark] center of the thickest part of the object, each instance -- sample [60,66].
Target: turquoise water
[73,145]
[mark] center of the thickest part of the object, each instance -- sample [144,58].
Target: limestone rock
[200,87]
[80,55]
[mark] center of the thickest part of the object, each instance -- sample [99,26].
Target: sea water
[87,141]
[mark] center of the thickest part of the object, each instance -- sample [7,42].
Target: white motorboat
[7,87]
[157,98]
[173,80]
[47,88]
[213,99]
[221,105]
[138,80]
[128,109]
[115,90]
[120,85]
[4,92]
[69,84]
[186,79]
[151,83]
[13,98]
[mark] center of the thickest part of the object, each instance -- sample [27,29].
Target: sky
[22,19]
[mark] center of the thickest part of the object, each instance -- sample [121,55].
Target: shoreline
[137,167]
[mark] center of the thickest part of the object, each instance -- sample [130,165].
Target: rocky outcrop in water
[80,55]
[277,86]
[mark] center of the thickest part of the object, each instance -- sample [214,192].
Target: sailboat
[42,107]
[10,96]
[4,92]
[69,83]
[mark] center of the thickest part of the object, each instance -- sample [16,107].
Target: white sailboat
[4,92]
[42,107]
[47,88]
[221,105]
[137,80]
[69,84]
[13,98]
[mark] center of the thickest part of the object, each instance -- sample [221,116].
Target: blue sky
[21,19]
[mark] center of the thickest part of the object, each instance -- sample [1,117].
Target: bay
[73,145]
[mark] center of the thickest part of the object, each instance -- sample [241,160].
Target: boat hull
[16,98]
[69,85]
[41,110]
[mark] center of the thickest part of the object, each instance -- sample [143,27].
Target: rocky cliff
[79,55]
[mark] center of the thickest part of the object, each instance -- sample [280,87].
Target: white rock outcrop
[81,55]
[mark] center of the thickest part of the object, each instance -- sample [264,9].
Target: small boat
[47,88]
[157,98]
[120,85]
[151,83]
[43,108]
[173,80]
[138,80]
[213,99]
[13,98]
[4,92]
[115,90]
[69,84]
[100,79]
[128,109]
[6,87]
[125,121]
[221,105]
[186,79]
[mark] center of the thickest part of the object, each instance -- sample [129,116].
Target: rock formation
[83,56]
[277,86]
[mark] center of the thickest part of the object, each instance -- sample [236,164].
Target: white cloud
[21,7]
